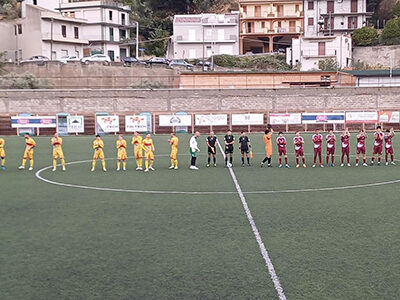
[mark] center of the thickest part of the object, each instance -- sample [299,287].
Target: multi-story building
[330,17]
[198,36]
[306,53]
[108,26]
[41,31]
[269,25]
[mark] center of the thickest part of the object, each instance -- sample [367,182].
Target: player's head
[362,130]
[243,133]
[27,135]
[229,132]
[197,134]
[212,133]
[378,128]
[148,135]
[297,133]
[317,131]
[330,131]
[172,134]
[135,133]
[120,137]
[97,137]
[56,135]
[267,131]
[388,131]
[280,133]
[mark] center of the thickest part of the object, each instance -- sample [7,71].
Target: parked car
[158,61]
[180,63]
[206,63]
[96,58]
[128,61]
[68,58]
[36,58]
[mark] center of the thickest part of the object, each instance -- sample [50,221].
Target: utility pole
[203,66]
[137,40]
[51,39]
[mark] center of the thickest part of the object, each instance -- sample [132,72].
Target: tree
[329,64]
[391,33]
[365,36]
[160,40]
[395,11]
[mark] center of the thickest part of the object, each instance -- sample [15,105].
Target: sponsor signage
[75,124]
[247,119]
[136,123]
[322,118]
[284,118]
[175,120]
[34,122]
[108,123]
[211,120]
[361,117]
[389,117]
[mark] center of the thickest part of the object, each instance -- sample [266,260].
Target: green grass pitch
[60,242]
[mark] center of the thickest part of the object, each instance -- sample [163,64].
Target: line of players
[146,145]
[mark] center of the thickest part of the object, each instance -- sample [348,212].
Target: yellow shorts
[174,154]
[98,154]
[122,154]
[58,153]
[138,152]
[149,155]
[2,152]
[28,154]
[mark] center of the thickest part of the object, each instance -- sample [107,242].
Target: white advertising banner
[284,118]
[175,120]
[211,120]
[75,124]
[108,123]
[136,123]
[34,122]
[247,119]
[361,117]
[389,117]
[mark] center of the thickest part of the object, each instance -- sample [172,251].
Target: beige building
[198,36]
[44,32]
[269,25]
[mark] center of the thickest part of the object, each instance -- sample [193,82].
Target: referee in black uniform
[229,141]
[212,148]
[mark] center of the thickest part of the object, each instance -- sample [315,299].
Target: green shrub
[329,64]
[365,36]
[391,33]
[274,62]
[24,81]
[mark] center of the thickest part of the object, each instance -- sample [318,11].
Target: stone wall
[377,55]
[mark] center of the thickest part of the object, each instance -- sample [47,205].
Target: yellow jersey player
[148,148]
[28,154]
[174,141]
[56,142]
[138,150]
[122,156]
[2,154]
[98,146]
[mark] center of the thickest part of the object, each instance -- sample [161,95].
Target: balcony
[313,53]
[272,16]
[60,38]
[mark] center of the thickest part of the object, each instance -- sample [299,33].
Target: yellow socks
[54,163]
[3,162]
[124,164]
[31,163]
[118,164]
[103,163]
[151,163]
[24,162]
[63,162]
[172,162]
[93,164]
[147,164]
[176,163]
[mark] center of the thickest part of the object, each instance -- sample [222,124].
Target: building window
[321,48]
[64,52]
[257,11]
[110,15]
[76,32]
[330,7]
[72,14]
[64,30]
[111,34]
[34,2]
[123,19]
[262,24]
[122,34]
[352,23]
[18,29]
[354,6]
[111,54]
[310,5]
[297,7]
[244,9]
[310,21]
[249,27]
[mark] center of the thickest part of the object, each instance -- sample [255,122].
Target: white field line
[264,252]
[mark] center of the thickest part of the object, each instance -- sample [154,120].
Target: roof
[374,73]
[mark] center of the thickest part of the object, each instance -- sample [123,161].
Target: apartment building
[108,27]
[41,31]
[204,35]
[269,25]
[307,52]
[330,17]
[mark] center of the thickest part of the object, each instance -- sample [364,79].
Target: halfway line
[264,252]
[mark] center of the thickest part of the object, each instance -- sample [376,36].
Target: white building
[322,17]
[44,32]
[107,28]
[306,52]
[204,35]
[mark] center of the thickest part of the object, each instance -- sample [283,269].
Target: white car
[97,58]
[36,58]
[68,58]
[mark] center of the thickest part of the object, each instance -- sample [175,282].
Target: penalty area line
[263,249]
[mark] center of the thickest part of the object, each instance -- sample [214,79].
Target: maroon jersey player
[361,138]
[298,142]
[317,140]
[389,146]
[378,145]
[345,139]
[330,147]
[281,143]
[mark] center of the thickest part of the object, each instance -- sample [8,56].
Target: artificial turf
[68,243]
